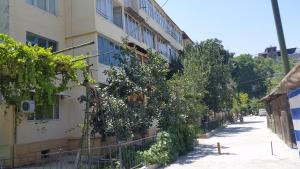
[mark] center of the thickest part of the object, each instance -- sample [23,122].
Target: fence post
[1,164]
[120,155]
[219,148]
[60,158]
[272,148]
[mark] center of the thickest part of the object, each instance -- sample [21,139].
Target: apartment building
[64,23]
[273,53]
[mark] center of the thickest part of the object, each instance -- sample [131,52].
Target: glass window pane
[31,39]
[108,51]
[105,8]
[31,2]
[42,43]
[42,4]
[52,6]
[52,45]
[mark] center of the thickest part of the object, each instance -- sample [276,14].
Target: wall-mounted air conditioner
[27,106]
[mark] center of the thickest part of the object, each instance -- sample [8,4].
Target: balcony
[132,7]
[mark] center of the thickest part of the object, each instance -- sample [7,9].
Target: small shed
[283,104]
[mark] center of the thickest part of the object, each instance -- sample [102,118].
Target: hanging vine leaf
[33,72]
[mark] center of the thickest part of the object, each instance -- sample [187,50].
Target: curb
[213,132]
[154,166]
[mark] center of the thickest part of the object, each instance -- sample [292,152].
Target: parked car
[262,112]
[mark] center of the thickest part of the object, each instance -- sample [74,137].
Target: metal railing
[123,156]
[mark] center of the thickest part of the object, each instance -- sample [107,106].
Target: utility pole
[280,35]
[284,56]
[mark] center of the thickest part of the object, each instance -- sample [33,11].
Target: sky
[244,26]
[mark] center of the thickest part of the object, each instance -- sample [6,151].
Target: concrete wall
[6,130]
[25,17]
[37,131]
[4,16]
[80,17]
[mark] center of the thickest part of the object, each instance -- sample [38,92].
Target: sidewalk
[244,146]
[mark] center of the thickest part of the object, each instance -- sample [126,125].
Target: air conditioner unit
[27,106]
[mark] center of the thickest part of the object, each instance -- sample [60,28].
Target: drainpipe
[14,141]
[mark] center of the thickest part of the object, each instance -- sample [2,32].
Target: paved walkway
[244,146]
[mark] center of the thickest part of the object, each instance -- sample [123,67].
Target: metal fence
[124,156]
[211,125]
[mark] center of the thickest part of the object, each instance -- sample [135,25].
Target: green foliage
[254,105]
[215,63]
[278,73]
[244,100]
[162,152]
[257,76]
[136,94]
[242,103]
[33,72]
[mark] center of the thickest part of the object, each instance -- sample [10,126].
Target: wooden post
[219,148]
[272,148]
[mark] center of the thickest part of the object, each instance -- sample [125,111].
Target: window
[108,52]
[105,8]
[41,41]
[46,5]
[148,37]
[162,47]
[172,53]
[156,15]
[46,112]
[118,16]
[132,27]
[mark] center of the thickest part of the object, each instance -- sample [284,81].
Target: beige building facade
[64,23]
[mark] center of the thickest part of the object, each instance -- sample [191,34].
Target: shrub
[162,152]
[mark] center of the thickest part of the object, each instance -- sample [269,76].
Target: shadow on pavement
[200,151]
[248,122]
[230,131]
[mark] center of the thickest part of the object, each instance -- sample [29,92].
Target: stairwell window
[46,5]
[34,39]
[105,8]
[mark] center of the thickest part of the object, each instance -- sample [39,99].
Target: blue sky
[244,26]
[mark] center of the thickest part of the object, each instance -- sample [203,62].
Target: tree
[255,104]
[134,96]
[245,75]
[216,62]
[277,73]
[244,101]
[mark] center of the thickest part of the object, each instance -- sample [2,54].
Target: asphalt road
[243,146]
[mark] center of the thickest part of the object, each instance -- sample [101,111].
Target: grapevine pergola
[32,72]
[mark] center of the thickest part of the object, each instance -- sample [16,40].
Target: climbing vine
[32,72]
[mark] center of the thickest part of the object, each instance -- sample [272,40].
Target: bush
[169,145]
[162,152]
